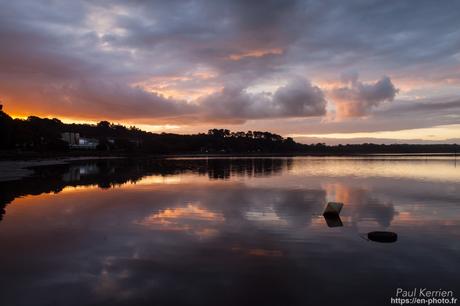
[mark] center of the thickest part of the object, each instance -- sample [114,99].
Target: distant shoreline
[23,156]
[51,138]
[19,167]
[308,154]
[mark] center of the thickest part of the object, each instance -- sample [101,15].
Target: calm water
[229,232]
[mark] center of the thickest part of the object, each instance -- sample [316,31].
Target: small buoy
[382,236]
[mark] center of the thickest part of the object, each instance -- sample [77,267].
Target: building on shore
[76,142]
[71,138]
[88,143]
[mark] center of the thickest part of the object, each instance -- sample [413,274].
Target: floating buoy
[333,208]
[382,236]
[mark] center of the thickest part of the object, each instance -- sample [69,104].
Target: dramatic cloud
[178,62]
[96,99]
[296,99]
[300,99]
[357,98]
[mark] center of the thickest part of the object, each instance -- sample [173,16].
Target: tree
[219,133]
[104,125]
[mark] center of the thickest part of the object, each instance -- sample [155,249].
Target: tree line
[44,135]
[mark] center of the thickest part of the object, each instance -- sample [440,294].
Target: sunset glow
[289,68]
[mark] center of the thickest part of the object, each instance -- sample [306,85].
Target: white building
[88,143]
[76,142]
[71,138]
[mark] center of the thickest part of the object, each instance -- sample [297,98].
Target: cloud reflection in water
[247,237]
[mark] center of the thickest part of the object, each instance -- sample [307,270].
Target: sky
[316,70]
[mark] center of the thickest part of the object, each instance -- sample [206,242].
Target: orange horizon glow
[71,120]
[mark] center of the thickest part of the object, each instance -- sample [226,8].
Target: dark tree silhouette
[44,135]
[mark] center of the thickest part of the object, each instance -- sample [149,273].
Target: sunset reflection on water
[228,231]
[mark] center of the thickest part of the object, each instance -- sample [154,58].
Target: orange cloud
[357,99]
[182,87]
[255,53]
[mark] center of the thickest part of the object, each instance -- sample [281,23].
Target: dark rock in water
[333,220]
[382,236]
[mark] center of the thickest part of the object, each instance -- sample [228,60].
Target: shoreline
[25,156]
[13,170]
[20,167]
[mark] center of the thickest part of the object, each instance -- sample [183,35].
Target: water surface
[233,231]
